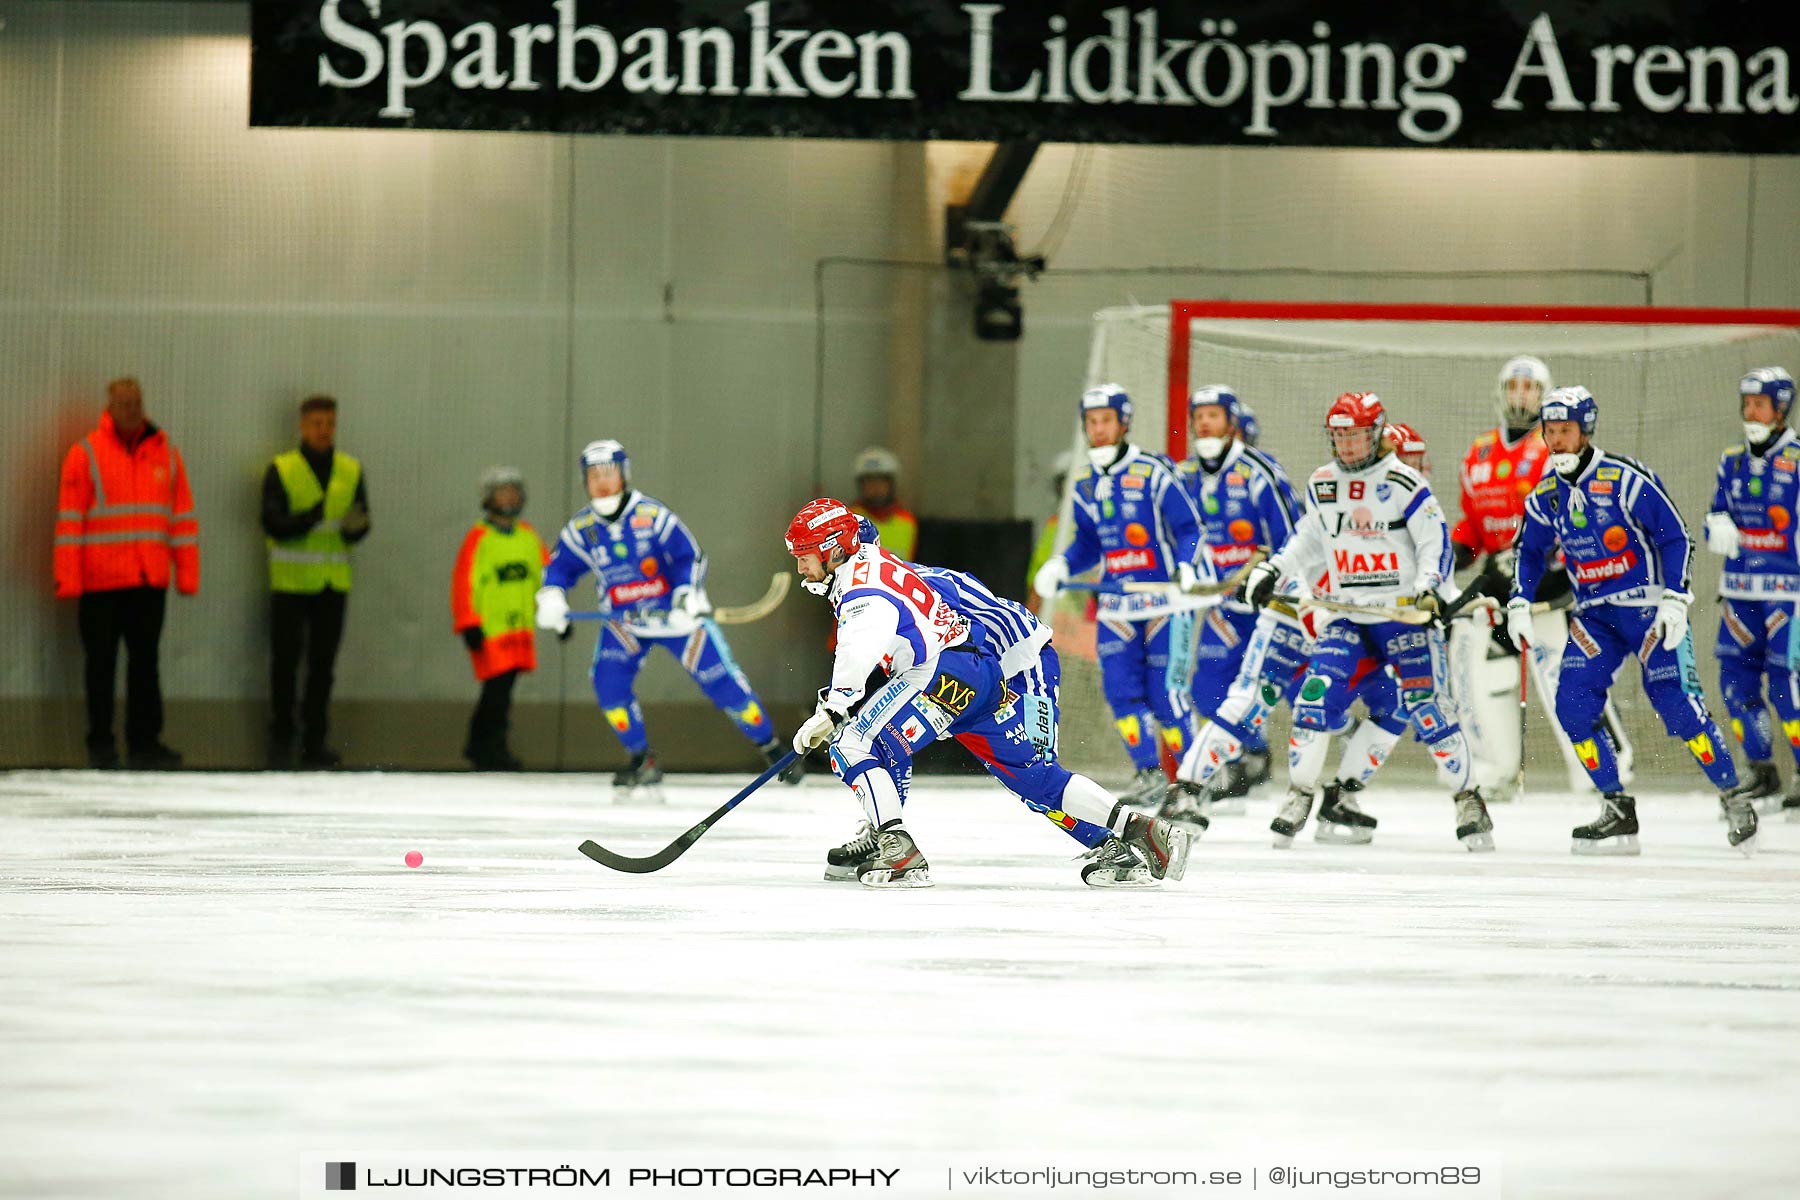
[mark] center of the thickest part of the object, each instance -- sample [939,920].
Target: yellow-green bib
[508,570]
[319,558]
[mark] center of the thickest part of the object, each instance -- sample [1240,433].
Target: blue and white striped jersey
[1009,629]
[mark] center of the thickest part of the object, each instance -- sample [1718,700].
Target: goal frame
[1182,314]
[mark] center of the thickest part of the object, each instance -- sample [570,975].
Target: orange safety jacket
[122,513]
[494,589]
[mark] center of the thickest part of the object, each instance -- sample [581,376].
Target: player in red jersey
[1499,471]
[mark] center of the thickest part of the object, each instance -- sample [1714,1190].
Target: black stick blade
[678,847]
[643,866]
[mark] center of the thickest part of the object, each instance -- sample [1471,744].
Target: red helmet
[822,526]
[1352,412]
[1407,443]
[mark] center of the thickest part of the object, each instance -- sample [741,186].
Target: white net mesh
[1667,393]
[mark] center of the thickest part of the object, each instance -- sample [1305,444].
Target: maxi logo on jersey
[1358,569]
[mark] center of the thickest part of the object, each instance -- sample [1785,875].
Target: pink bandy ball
[414,858]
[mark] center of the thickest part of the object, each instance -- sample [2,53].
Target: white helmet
[1525,367]
[878,460]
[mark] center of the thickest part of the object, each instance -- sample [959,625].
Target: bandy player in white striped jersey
[1029,665]
[943,680]
[1385,543]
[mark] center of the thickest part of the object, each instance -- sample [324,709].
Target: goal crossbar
[1182,313]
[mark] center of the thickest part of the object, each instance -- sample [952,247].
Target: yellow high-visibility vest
[318,558]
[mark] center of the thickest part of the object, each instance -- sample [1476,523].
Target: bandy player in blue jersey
[1245,502]
[942,680]
[1133,517]
[1629,556]
[1751,523]
[651,578]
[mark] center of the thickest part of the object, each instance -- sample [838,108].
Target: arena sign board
[1671,75]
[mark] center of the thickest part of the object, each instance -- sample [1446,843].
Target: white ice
[205,975]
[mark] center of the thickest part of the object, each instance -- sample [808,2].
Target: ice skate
[1146,789]
[1292,817]
[1474,829]
[1762,789]
[1227,791]
[1163,847]
[794,772]
[897,862]
[1740,815]
[1187,806]
[639,783]
[1113,864]
[1341,820]
[1614,832]
[842,862]
[1256,769]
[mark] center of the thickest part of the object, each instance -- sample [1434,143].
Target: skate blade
[1479,842]
[648,796]
[1343,835]
[1234,807]
[1747,847]
[840,874]
[1613,847]
[918,877]
[1180,842]
[1132,877]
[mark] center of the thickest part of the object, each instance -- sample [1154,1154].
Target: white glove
[1518,622]
[690,601]
[552,609]
[1722,535]
[817,729]
[1672,618]
[1186,578]
[1050,576]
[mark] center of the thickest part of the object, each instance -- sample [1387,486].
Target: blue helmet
[866,533]
[1773,382]
[1108,395]
[1217,395]
[1571,404]
[1248,429]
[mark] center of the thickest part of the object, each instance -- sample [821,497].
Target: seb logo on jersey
[632,593]
[1360,569]
[1600,570]
[1120,561]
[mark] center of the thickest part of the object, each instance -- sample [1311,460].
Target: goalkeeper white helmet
[1524,382]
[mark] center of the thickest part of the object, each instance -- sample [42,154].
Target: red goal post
[1183,313]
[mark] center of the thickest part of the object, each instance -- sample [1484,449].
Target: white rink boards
[206,975]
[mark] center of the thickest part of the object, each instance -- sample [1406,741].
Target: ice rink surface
[205,975]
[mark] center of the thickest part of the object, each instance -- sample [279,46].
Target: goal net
[1666,381]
